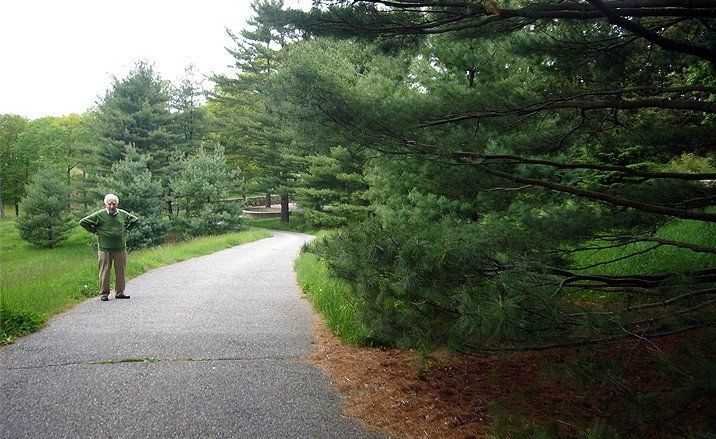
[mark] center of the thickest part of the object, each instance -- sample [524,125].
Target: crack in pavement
[129,360]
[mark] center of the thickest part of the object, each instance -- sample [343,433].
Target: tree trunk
[471,78]
[268,200]
[17,209]
[169,207]
[84,189]
[284,209]
[2,209]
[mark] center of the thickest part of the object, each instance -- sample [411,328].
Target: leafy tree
[47,221]
[11,160]
[140,194]
[37,137]
[65,141]
[246,104]
[136,111]
[190,116]
[202,186]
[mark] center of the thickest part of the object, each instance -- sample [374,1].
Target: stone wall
[260,201]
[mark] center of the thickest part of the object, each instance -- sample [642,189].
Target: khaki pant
[106,258]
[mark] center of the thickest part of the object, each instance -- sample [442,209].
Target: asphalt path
[210,347]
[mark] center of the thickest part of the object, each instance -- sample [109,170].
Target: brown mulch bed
[405,395]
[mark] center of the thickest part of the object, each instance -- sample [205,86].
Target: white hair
[111,197]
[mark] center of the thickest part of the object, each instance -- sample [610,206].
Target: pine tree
[190,119]
[136,112]
[47,221]
[253,106]
[332,190]
[533,157]
[202,186]
[140,194]
[529,170]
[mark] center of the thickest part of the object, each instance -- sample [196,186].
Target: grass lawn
[662,259]
[37,283]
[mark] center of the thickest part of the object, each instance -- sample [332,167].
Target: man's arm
[132,221]
[90,222]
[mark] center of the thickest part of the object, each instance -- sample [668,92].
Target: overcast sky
[58,56]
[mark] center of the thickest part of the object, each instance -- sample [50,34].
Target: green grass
[38,283]
[663,259]
[131,360]
[297,223]
[332,298]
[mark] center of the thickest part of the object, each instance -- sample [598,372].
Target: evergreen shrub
[47,221]
[202,185]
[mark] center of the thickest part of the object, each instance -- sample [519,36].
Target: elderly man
[111,225]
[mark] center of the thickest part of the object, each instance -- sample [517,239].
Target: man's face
[111,205]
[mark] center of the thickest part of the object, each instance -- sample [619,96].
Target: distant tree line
[147,141]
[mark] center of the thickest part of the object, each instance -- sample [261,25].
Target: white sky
[57,57]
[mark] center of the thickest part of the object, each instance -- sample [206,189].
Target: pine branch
[619,104]
[647,282]
[621,258]
[661,41]
[462,15]
[593,195]
[595,166]
[592,341]
[660,304]
[681,244]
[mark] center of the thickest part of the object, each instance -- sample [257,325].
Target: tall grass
[332,297]
[37,283]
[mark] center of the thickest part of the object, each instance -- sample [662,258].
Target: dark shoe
[104,297]
[121,296]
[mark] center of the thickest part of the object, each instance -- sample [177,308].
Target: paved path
[226,334]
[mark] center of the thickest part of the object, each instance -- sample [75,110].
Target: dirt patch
[406,395]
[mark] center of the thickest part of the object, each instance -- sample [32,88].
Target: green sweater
[111,230]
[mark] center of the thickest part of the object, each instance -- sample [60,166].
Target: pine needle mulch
[405,395]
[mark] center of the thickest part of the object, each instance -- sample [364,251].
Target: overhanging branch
[649,35]
[593,195]
[595,166]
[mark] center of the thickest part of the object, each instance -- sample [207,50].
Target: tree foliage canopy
[536,135]
[136,112]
